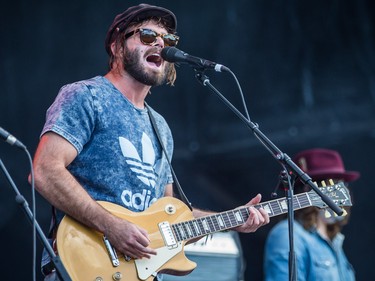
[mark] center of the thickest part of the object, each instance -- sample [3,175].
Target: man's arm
[54,182]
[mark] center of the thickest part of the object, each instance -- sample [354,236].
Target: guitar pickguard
[147,267]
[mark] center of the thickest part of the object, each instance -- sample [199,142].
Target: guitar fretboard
[229,219]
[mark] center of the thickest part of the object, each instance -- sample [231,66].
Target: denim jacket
[317,259]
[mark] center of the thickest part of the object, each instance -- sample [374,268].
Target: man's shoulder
[279,236]
[96,86]
[282,229]
[96,81]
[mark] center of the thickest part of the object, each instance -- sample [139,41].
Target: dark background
[307,70]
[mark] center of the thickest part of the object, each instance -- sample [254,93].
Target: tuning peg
[323,183]
[331,182]
[344,213]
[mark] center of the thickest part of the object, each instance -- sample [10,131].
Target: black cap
[135,14]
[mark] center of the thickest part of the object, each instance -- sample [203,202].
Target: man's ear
[113,49]
[116,52]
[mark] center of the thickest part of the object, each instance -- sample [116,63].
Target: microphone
[10,139]
[172,54]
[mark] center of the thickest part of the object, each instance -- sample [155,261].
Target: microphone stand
[285,179]
[288,165]
[60,269]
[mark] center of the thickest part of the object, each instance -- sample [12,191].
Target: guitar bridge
[111,252]
[167,234]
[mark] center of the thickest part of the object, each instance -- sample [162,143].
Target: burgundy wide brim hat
[324,164]
[136,14]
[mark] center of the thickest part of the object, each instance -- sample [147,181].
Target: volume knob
[117,276]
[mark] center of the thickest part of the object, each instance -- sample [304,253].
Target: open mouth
[154,59]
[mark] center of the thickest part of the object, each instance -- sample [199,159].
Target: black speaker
[218,257]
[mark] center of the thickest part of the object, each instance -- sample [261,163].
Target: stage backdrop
[306,69]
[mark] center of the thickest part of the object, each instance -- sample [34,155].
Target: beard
[133,66]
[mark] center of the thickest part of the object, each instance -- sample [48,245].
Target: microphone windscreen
[169,54]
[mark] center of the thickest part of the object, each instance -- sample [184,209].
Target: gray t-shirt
[119,159]
[119,156]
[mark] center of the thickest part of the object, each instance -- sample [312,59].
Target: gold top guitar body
[88,256]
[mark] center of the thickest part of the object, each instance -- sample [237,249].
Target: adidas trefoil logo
[143,168]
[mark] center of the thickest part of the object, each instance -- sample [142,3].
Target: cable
[241,94]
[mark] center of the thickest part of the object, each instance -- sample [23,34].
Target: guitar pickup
[111,252]
[167,234]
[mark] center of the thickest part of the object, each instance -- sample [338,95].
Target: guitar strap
[179,189]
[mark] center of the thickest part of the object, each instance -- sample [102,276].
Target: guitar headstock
[337,192]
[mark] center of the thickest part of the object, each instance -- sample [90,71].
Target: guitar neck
[229,219]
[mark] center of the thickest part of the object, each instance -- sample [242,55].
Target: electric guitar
[88,255]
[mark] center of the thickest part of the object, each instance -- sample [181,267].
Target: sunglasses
[148,37]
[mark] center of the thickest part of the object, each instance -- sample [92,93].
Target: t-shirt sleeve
[72,115]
